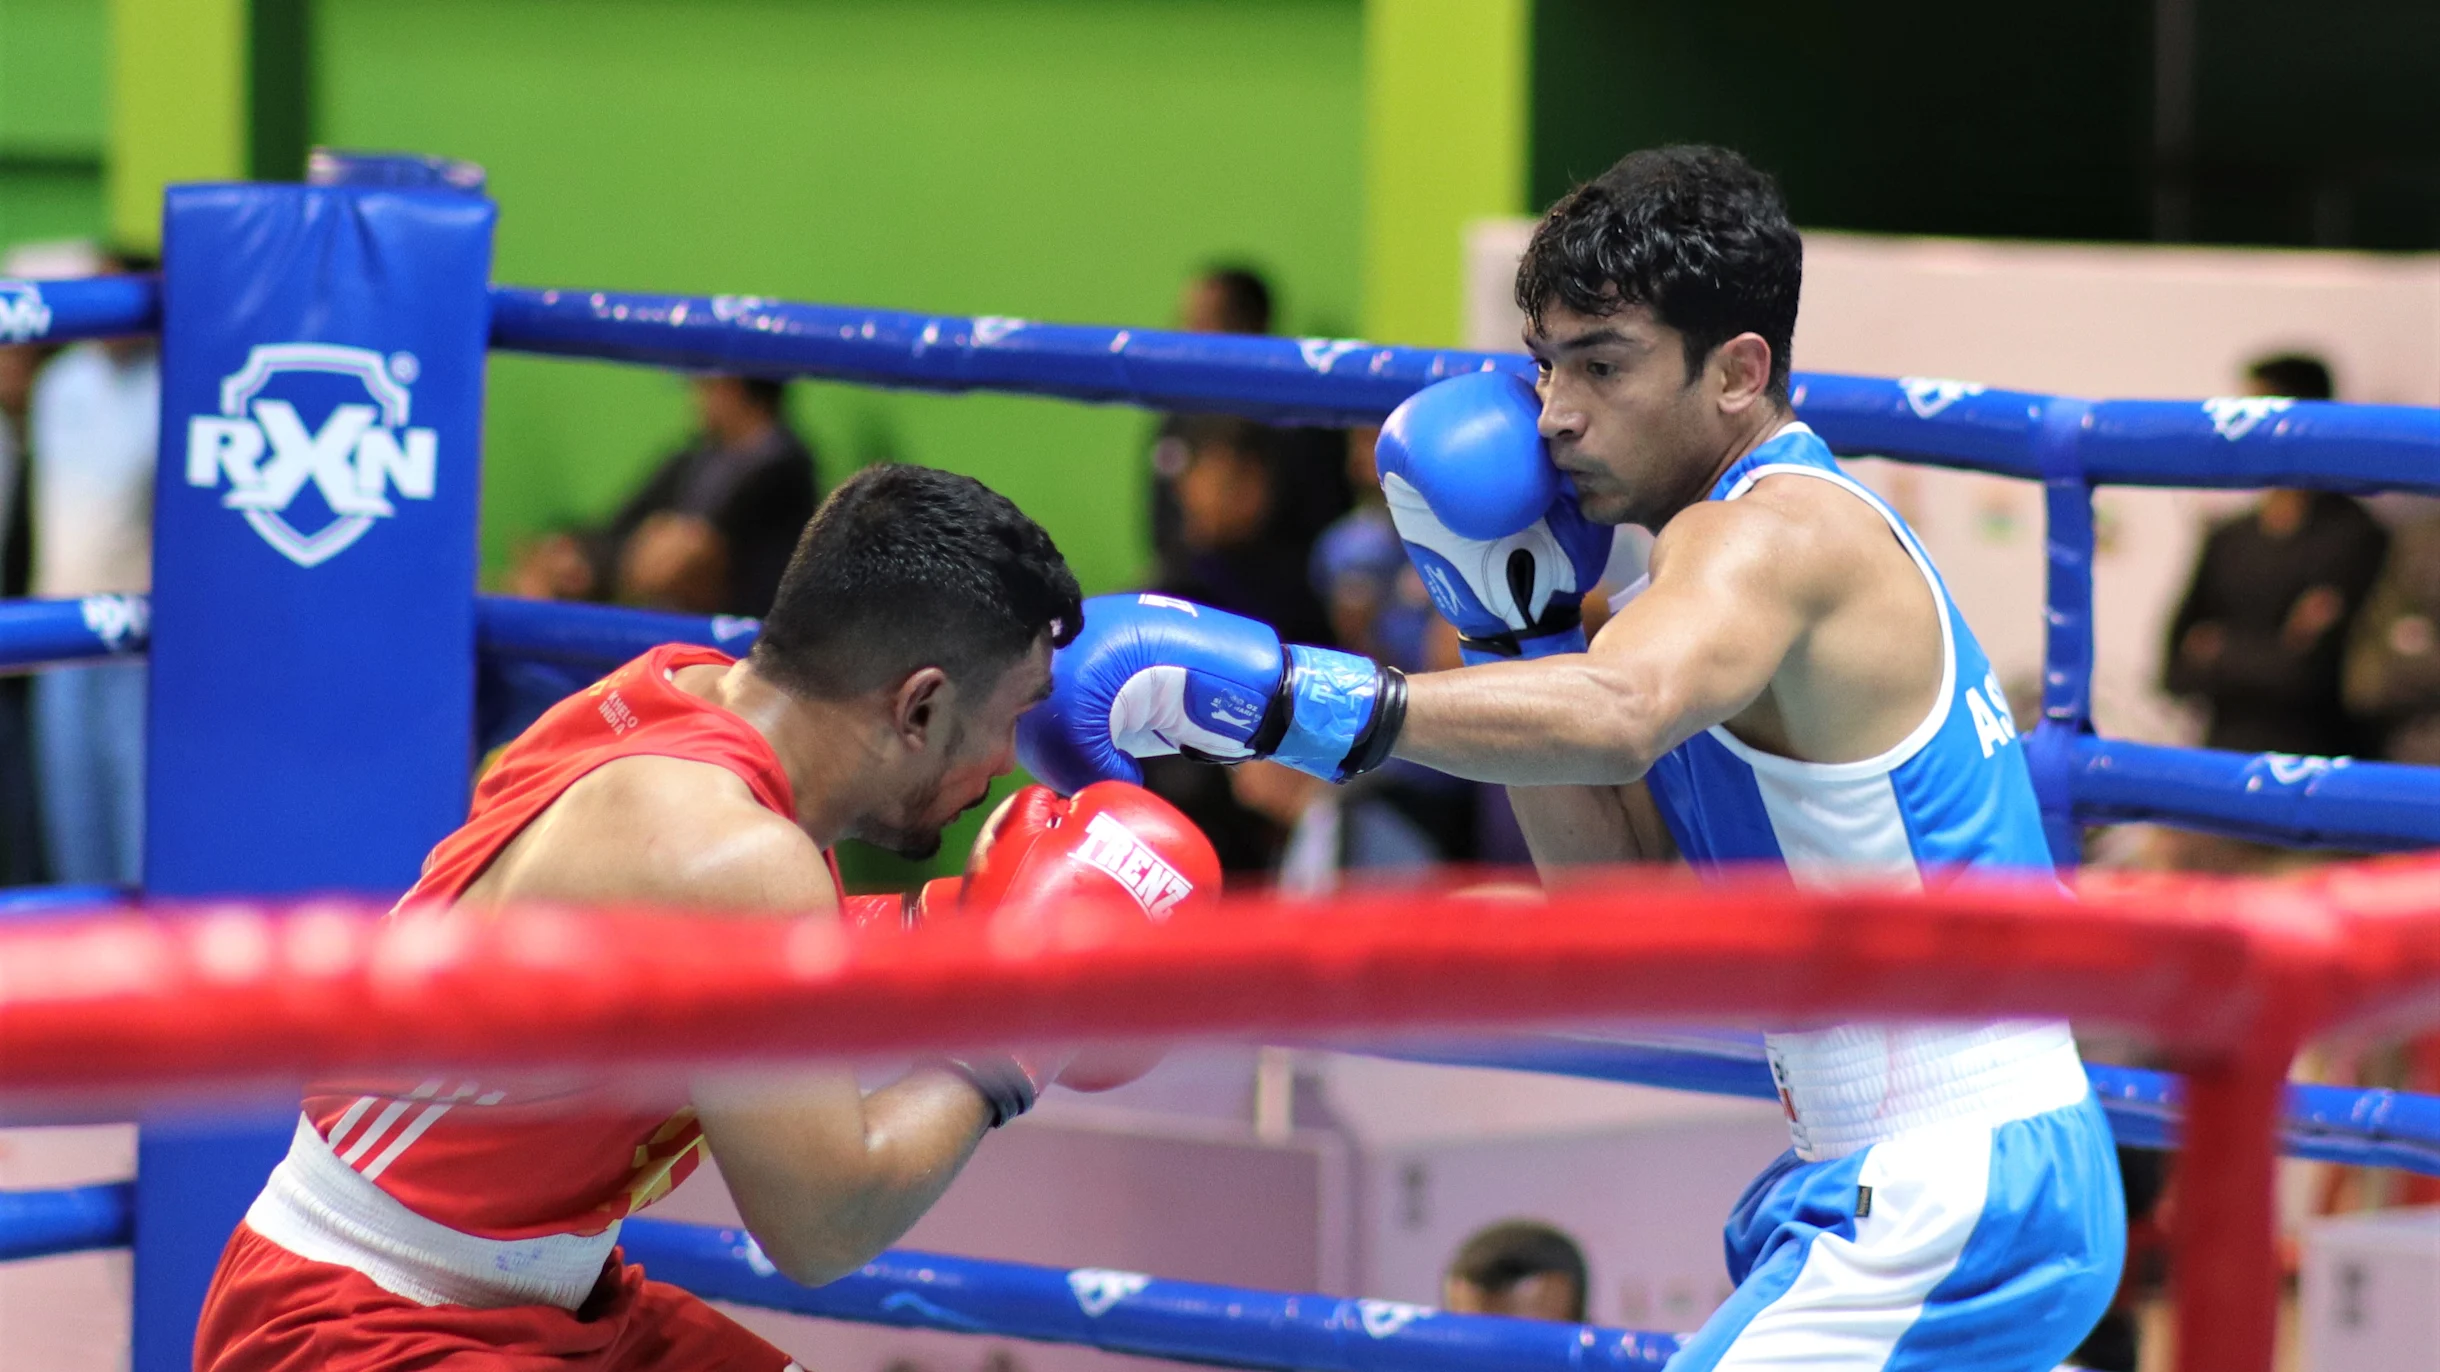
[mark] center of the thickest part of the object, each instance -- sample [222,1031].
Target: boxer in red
[471,1225]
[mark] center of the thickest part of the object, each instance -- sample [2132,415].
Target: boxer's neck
[827,748]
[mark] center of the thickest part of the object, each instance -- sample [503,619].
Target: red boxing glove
[1048,854]
[901,912]
[1109,838]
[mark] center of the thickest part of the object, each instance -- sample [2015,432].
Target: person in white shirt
[94,433]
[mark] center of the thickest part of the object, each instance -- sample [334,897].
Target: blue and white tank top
[1953,795]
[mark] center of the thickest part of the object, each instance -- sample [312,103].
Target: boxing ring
[315,641]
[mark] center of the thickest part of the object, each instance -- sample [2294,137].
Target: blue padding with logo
[1130,1312]
[313,632]
[321,407]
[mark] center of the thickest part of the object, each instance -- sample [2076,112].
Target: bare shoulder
[661,831]
[1797,535]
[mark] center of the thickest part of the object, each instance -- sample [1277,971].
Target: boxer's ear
[923,709]
[1742,367]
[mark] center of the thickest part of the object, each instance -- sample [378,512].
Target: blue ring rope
[1122,1312]
[45,633]
[2232,444]
[1126,1312]
[40,1224]
[2366,1128]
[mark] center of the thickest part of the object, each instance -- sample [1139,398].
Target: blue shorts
[1965,1248]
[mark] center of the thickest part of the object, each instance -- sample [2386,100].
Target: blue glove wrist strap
[1568,640]
[1331,697]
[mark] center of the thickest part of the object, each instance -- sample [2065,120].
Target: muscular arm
[824,1175]
[1731,594]
[1578,826]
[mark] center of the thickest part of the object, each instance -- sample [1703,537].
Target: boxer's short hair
[1697,235]
[907,567]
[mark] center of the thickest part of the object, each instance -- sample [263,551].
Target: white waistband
[1849,1087]
[319,1208]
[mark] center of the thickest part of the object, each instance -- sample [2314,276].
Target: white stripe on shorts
[1855,1298]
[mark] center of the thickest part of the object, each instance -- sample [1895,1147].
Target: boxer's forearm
[1559,721]
[1569,827]
[918,1132]
[825,1179]
[1572,826]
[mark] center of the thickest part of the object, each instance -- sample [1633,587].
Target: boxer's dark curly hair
[1696,234]
[907,567]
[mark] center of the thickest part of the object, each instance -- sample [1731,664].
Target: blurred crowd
[79,434]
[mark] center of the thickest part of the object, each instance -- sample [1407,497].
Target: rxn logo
[359,454]
[23,315]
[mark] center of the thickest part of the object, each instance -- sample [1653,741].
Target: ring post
[311,711]
[2067,654]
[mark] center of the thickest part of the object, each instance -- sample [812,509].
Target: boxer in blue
[1790,685]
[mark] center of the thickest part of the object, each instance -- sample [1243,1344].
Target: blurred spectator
[711,531]
[1231,553]
[1363,826]
[2261,636]
[2392,677]
[1378,606]
[2393,681]
[21,860]
[1226,300]
[1306,480]
[93,426]
[1376,602]
[1519,1268]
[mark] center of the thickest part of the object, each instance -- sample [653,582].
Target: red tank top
[513,1161]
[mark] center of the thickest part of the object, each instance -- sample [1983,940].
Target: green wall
[1072,160]
[1444,145]
[52,56]
[1059,159]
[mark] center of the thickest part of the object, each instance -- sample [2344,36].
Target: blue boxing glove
[1488,521]
[1152,675]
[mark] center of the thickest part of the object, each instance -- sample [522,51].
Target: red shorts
[272,1311]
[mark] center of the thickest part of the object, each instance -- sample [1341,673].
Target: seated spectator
[2261,635]
[1519,1268]
[712,529]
